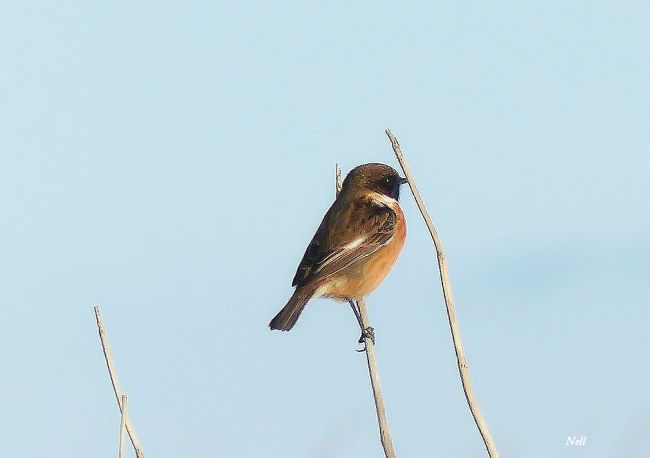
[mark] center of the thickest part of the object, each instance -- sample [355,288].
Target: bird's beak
[403,180]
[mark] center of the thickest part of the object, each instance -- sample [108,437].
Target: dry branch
[384,432]
[120,452]
[112,373]
[449,303]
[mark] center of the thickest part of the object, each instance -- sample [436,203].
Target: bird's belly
[362,277]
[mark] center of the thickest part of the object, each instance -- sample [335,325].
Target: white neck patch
[383,200]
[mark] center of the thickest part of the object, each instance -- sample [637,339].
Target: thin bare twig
[112,373]
[449,303]
[122,422]
[339,182]
[384,432]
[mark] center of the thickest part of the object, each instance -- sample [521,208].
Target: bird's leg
[357,314]
[366,331]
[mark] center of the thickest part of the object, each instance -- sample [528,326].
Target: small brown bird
[355,246]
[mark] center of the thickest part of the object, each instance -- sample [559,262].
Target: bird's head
[375,177]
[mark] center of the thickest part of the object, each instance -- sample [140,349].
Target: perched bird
[355,246]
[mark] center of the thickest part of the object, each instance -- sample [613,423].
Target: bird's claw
[367,333]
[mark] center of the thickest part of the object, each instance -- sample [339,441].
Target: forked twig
[384,432]
[449,303]
[112,373]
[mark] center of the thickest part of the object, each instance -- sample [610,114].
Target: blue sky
[170,162]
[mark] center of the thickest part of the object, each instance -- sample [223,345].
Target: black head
[376,177]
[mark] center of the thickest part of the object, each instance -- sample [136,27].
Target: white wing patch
[341,252]
[353,244]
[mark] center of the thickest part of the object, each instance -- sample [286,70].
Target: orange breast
[361,278]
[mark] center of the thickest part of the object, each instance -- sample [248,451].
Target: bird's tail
[286,319]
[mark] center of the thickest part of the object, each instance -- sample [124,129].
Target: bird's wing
[345,237]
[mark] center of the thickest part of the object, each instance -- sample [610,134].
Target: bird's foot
[367,333]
